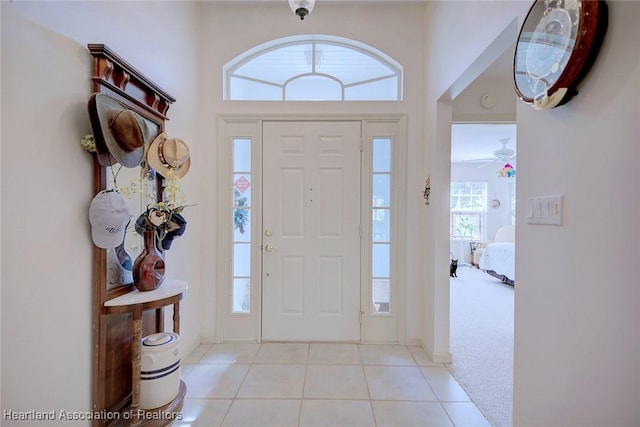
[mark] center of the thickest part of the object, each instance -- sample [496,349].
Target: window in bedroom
[468,210]
[312,68]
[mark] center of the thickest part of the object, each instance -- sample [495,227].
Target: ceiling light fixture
[302,8]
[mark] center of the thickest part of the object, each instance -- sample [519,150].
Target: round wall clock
[557,45]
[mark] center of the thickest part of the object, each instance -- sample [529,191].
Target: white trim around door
[239,233]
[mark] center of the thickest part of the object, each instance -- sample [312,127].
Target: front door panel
[311,235]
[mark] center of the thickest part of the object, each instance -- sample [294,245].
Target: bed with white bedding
[498,258]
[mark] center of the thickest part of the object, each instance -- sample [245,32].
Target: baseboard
[437,356]
[414,342]
[208,339]
[440,357]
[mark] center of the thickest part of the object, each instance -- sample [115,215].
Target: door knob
[268,248]
[268,233]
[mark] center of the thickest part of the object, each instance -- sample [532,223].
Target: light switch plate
[545,210]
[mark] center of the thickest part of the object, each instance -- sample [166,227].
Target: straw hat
[166,154]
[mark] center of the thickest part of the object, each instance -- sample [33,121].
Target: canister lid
[157,339]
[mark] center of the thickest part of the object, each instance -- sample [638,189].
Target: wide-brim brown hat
[165,154]
[119,132]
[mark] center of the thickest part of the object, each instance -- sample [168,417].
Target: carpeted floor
[482,342]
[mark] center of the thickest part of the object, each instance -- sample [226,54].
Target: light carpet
[482,342]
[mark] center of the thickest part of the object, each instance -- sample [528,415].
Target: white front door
[311,231]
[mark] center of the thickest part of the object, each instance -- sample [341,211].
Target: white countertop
[169,288]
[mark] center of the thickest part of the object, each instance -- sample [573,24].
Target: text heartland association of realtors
[34,415]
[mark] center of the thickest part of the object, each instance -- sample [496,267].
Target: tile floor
[321,384]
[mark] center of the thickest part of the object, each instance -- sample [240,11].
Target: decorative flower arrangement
[163,217]
[88,143]
[160,218]
[507,171]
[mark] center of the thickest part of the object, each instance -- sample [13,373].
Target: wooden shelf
[169,290]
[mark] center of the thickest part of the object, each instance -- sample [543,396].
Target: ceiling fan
[501,155]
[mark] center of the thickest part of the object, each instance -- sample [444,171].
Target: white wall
[467,107]
[577,301]
[47,184]
[582,308]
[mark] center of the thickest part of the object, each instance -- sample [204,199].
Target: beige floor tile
[421,357]
[398,383]
[336,413]
[391,355]
[334,354]
[197,353]
[273,382]
[283,353]
[215,381]
[465,414]
[263,413]
[415,414]
[335,382]
[185,369]
[321,384]
[241,353]
[202,413]
[444,385]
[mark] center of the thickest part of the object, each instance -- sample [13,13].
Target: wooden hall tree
[120,317]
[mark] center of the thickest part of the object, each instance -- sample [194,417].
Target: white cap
[109,215]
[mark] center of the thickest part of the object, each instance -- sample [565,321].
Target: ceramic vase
[148,268]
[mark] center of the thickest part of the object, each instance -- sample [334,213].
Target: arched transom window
[313,68]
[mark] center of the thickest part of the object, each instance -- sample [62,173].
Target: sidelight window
[241,291]
[381,226]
